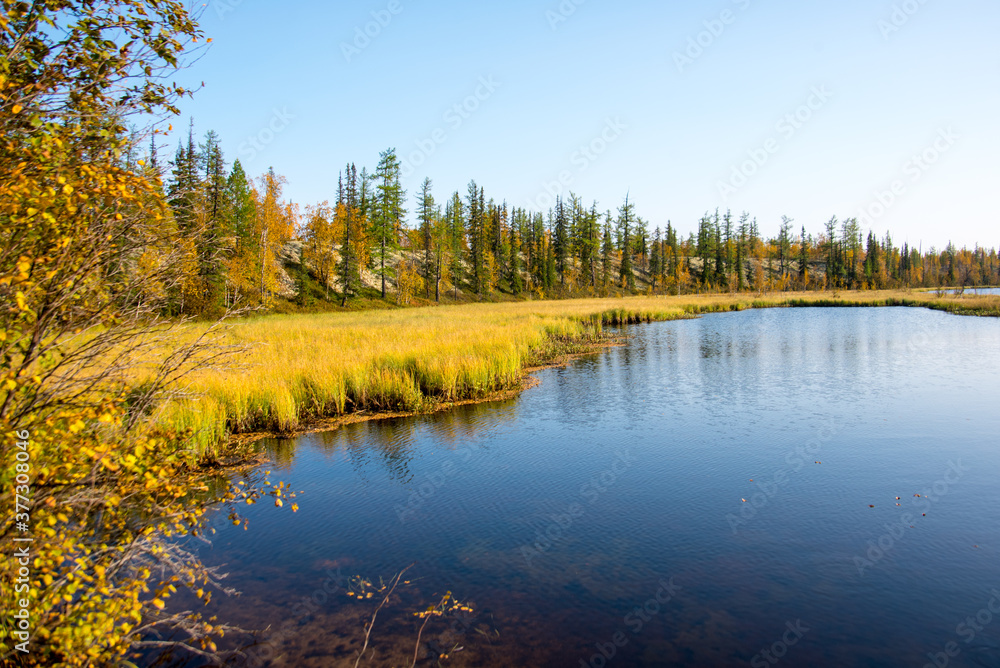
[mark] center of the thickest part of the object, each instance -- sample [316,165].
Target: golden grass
[301,367]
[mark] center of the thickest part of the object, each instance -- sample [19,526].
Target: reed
[298,368]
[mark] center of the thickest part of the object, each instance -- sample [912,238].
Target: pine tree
[706,249]
[388,212]
[741,251]
[560,241]
[184,185]
[784,246]
[655,259]
[833,262]
[625,220]
[456,234]
[804,259]
[516,282]
[213,249]
[477,242]
[425,212]
[607,251]
[351,221]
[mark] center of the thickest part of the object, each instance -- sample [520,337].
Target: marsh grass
[301,368]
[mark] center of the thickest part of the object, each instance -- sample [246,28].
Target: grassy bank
[299,368]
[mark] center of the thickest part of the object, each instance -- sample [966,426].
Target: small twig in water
[385,600]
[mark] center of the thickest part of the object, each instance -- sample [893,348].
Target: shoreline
[589,338]
[326,425]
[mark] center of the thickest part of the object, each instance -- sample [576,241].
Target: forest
[110,394]
[475,247]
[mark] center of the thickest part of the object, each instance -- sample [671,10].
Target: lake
[974,291]
[717,492]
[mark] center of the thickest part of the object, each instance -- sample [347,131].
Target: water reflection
[389,445]
[526,509]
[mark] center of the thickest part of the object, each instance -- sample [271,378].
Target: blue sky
[885,110]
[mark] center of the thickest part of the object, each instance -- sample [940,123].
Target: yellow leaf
[158,604]
[17,109]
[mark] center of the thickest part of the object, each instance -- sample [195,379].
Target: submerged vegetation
[301,368]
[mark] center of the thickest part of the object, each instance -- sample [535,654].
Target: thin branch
[384,601]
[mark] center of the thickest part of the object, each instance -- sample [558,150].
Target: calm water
[564,514]
[977,291]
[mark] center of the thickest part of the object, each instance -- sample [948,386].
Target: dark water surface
[621,478]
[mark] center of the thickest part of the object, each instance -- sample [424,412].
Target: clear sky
[799,108]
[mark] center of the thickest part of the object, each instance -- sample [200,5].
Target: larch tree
[626,217]
[388,212]
[456,235]
[351,225]
[426,209]
[560,241]
[274,226]
[319,247]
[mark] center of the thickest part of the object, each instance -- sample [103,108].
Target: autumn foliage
[90,256]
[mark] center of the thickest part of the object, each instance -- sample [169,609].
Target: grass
[300,368]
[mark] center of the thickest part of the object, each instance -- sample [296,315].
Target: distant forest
[244,244]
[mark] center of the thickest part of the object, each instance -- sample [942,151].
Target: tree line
[471,246]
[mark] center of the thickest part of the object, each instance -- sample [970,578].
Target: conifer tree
[516,282]
[625,220]
[560,241]
[477,243]
[655,260]
[607,251]
[388,212]
[804,259]
[351,222]
[456,233]
[425,213]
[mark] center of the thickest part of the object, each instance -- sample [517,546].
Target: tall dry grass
[300,367]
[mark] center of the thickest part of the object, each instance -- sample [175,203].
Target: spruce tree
[625,220]
[560,241]
[425,212]
[655,260]
[388,211]
[804,259]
